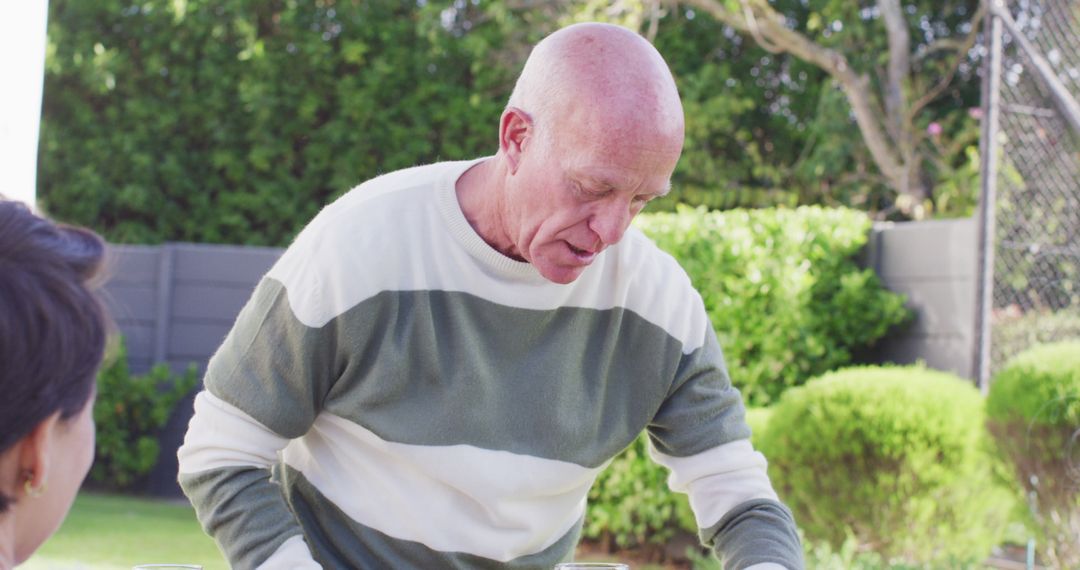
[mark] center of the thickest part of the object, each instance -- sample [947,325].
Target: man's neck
[479,196]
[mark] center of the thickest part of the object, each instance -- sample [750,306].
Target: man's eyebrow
[610,183]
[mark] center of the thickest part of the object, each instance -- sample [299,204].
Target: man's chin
[561,275]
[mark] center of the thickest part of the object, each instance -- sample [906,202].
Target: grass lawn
[110,532]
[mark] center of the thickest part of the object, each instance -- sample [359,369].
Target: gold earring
[32,491]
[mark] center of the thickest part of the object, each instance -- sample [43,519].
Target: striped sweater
[398,394]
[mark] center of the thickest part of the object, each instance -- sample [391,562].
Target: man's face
[578,186]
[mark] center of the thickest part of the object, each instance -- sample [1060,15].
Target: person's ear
[34,454]
[515,129]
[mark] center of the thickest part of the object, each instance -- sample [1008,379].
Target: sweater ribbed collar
[463,232]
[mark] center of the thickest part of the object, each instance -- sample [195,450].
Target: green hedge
[129,413]
[1034,414]
[895,458]
[235,121]
[782,287]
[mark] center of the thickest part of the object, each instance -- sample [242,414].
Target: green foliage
[758,420]
[782,288]
[630,503]
[771,129]
[1034,414]
[128,413]
[895,458]
[235,121]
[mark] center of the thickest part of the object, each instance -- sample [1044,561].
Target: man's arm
[225,467]
[700,433]
[264,387]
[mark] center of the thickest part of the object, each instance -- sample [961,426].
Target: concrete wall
[175,303]
[934,263]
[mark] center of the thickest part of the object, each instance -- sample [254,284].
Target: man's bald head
[592,133]
[602,74]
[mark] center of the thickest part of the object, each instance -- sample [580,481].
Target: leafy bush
[782,288]
[234,121]
[128,413]
[1034,414]
[758,419]
[895,458]
[630,503]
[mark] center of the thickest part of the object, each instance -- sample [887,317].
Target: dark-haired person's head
[52,338]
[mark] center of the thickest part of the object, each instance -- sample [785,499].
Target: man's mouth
[584,256]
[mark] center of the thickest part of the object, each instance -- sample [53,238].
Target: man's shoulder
[648,281]
[386,202]
[394,183]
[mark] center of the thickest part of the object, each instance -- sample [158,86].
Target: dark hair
[53,326]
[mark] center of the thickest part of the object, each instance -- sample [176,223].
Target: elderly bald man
[436,370]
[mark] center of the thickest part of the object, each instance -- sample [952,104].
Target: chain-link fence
[1031,86]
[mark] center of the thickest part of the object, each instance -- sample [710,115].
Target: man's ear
[34,451]
[515,130]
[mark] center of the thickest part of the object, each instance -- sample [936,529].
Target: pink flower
[934,129]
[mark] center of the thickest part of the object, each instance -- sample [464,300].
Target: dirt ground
[671,556]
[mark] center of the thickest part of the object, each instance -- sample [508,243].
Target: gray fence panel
[131,295]
[223,264]
[174,304]
[133,263]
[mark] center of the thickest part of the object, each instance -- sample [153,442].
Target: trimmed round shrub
[1034,414]
[894,458]
[758,419]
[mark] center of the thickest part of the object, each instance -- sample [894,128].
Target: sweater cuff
[759,534]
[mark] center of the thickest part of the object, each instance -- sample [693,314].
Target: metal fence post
[987,200]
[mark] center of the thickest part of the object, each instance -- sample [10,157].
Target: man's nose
[609,222]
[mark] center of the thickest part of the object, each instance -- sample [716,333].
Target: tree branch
[943,44]
[856,87]
[755,31]
[899,66]
[962,49]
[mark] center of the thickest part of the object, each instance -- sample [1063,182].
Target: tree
[889,86]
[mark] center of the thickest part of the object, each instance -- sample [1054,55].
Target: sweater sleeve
[700,434]
[263,388]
